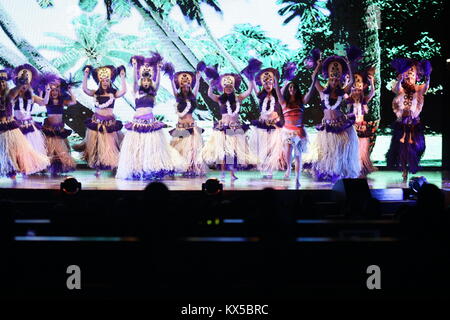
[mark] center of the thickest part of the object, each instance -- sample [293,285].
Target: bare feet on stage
[405,176]
[287,175]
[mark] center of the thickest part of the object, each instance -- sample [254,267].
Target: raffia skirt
[228,145]
[187,140]
[145,152]
[16,153]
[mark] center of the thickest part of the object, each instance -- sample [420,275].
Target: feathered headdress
[267,74]
[104,72]
[25,73]
[335,67]
[6,74]
[221,81]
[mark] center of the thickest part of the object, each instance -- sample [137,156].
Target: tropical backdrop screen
[64,35]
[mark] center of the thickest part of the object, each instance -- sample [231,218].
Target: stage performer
[103,135]
[146,154]
[16,153]
[293,135]
[186,138]
[228,146]
[357,102]
[408,140]
[58,148]
[23,98]
[334,153]
[265,133]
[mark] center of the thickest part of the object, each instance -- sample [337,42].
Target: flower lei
[106,104]
[235,112]
[335,105]
[358,109]
[26,111]
[264,109]
[185,110]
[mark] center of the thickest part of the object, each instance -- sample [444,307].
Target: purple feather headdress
[337,59]
[19,70]
[6,74]
[252,68]
[261,72]
[402,65]
[94,72]
[289,71]
[45,79]
[310,61]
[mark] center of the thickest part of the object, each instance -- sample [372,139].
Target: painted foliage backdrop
[64,35]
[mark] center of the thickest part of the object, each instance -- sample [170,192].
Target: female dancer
[265,136]
[358,103]
[408,140]
[335,149]
[16,153]
[22,97]
[228,145]
[293,133]
[56,135]
[103,136]
[186,138]
[145,152]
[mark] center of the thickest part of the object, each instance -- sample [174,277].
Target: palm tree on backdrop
[338,23]
[95,44]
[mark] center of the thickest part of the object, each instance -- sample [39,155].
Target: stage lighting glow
[415,183]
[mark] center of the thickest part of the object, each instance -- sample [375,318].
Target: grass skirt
[103,138]
[267,145]
[228,144]
[334,155]
[16,153]
[407,145]
[364,157]
[58,148]
[146,154]
[34,135]
[189,143]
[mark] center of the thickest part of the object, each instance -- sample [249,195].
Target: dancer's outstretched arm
[398,86]
[174,87]
[73,99]
[350,74]
[123,88]
[85,88]
[158,76]
[308,94]
[198,77]
[213,96]
[42,101]
[135,77]
[423,88]
[372,88]
[279,93]
[248,92]
[317,84]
